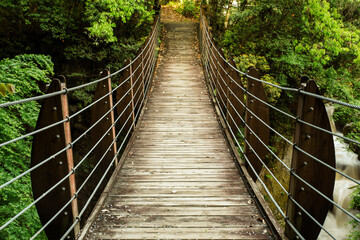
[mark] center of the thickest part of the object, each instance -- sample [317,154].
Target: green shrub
[355,204]
[26,72]
[187,8]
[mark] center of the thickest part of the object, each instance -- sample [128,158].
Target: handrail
[220,82]
[143,66]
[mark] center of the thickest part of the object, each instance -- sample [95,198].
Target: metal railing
[120,109]
[244,113]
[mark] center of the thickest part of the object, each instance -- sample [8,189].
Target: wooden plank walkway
[179,180]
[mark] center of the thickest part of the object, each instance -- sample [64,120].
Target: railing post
[320,145]
[235,96]
[132,97]
[46,144]
[100,129]
[222,88]
[142,74]
[124,99]
[70,158]
[259,109]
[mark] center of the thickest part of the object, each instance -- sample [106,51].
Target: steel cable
[280,87]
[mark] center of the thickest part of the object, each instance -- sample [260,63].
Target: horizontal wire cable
[247,159]
[81,136]
[98,185]
[36,201]
[265,188]
[326,165]
[304,180]
[98,121]
[326,197]
[77,219]
[33,133]
[311,217]
[224,116]
[280,87]
[61,151]
[291,143]
[36,166]
[48,95]
[66,90]
[53,218]
[329,132]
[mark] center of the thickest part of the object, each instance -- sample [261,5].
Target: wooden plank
[180,233]
[230,221]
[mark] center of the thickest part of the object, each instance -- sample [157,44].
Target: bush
[26,72]
[187,8]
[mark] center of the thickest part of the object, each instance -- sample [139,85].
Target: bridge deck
[179,180]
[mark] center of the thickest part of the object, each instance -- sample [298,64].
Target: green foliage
[82,36]
[187,8]
[27,72]
[104,15]
[355,204]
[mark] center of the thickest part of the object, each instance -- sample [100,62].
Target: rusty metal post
[233,106]
[97,112]
[125,105]
[221,85]
[142,74]
[320,145]
[45,145]
[70,158]
[132,97]
[262,131]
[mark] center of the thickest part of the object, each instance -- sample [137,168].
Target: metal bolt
[251,117]
[107,118]
[104,86]
[252,100]
[311,109]
[57,136]
[54,108]
[302,189]
[60,162]
[63,188]
[299,213]
[65,213]
[305,163]
[105,102]
[308,136]
[250,133]
[252,85]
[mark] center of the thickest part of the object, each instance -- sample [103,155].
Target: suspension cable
[277,86]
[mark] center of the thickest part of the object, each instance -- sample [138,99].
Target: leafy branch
[6,88]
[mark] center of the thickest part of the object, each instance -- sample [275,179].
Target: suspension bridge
[178,145]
